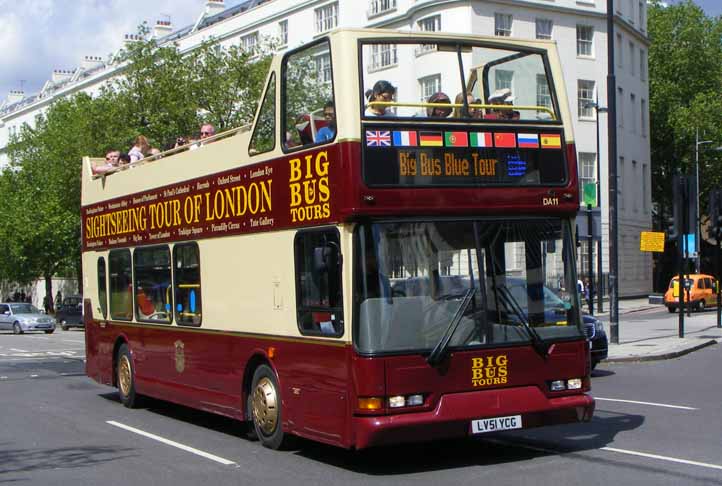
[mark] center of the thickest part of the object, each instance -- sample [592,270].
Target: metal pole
[719,274]
[612,166]
[590,223]
[600,272]
[681,186]
[697,242]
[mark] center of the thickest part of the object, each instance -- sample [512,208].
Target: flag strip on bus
[551,141]
[481,139]
[505,140]
[456,139]
[528,140]
[405,139]
[378,138]
[431,139]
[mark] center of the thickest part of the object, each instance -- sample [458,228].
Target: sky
[38,36]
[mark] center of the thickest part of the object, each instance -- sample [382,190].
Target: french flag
[405,139]
[528,140]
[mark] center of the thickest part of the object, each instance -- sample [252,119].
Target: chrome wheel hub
[265,406]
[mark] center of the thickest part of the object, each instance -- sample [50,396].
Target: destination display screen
[422,157]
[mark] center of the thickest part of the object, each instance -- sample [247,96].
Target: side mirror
[7,312]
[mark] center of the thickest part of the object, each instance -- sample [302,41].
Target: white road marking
[19,350]
[186,448]
[665,405]
[33,376]
[663,458]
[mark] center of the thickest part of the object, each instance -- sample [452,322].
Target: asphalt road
[656,423]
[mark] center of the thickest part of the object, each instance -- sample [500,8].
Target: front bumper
[453,415]
[37,326]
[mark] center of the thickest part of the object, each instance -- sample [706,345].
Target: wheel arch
[259,358]
[119,341]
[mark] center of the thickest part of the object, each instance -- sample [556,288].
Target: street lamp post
[698,242]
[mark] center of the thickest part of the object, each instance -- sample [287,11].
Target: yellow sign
[489,370]
[652,241]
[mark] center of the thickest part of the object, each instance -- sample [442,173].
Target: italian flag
[480,139]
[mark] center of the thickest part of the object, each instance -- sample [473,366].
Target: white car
[20,317]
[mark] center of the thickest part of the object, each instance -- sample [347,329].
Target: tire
[17,329]
[64,325]
[594,363]
[265,400]
[125,376]
[50,331]
[700,305]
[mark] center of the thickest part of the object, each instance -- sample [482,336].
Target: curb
[659,357]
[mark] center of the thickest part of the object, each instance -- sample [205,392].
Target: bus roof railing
[422,104]
[152,158]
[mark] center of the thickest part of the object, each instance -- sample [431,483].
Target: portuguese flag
[456,139]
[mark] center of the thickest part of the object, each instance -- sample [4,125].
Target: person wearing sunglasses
[328,131]
[207,131]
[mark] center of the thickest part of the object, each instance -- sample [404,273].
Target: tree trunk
[49,307]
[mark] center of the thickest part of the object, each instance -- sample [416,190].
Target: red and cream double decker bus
[375,260]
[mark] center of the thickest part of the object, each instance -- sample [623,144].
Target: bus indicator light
[370,403]
[271,352]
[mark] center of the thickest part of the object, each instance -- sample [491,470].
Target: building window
[382,56]
[151,267]
[631,12]
[620,184]
[283,32]
[430,24]
[635,198]
[585,98]
[544,28]
[585,37]
[643,117]
[378,7]
[641,15]
[121,285]
[619,51]
[620,107]
[642,65]
[326,17]
[543,96]
[587,169]
[249,42]
[429,85]
[632,62]
[323,68]
[502,25]
[633,109]
[319,303]
[504,79]
[645,206]
[187,279]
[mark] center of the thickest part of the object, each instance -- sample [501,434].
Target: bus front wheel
[126,378]
[266,408]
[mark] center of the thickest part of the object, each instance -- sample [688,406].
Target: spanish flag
[551,141]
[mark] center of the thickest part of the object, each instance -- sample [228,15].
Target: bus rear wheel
[265,402]
[126,378]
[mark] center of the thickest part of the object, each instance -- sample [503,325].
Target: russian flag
[528,140]
[405,139]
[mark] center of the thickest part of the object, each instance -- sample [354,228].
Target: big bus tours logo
[489,370]
[308,185]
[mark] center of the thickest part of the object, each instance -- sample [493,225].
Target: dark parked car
[70,312]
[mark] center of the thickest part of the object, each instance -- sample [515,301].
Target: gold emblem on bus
[180,360]
[489,370]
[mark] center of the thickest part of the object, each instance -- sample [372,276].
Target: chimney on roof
[130,38]
[60,75]
[91,62]
[162,28]
[14,96]
[214,6]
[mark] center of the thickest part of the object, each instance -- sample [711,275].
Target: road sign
[690,245]
[652,241]
[590,194]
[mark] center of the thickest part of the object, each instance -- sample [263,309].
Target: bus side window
[121,285]
[152,284]
[102,287]
[307,89]
[264,134]
[319,302]
[187,284]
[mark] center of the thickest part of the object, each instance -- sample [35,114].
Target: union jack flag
[377,138]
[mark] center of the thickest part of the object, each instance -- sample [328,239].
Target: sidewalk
[643,339]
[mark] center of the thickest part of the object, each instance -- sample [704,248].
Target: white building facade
[578,27]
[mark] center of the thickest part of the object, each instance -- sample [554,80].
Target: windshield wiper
[437,354]
[538,343]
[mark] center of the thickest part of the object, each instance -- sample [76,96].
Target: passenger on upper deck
[437,111]
[329,131]
[140,149]
[459,111]
[382,91]
[111,162]
[207,131]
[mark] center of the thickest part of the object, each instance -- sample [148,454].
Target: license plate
[496,424]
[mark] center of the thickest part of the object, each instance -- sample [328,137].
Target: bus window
[318,282]
[152,284]
[102,288]
[307,89]
[501,84]
[121,285]
[187,278]
[264,135]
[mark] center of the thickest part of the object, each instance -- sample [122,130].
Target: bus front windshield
[497,282]
[459,81]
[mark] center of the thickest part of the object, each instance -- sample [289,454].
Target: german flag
[551,141]
[431,139]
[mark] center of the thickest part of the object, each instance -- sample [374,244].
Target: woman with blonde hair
[459,110]
[140,149]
